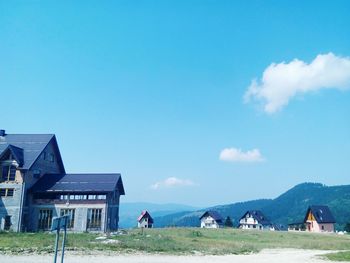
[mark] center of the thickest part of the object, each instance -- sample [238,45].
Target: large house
[319,218]
[255,219]
[35,187]
[145,220]
[211,219]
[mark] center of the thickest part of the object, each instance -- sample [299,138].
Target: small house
[211,219]
[319,218]
[255,219]
[145,220]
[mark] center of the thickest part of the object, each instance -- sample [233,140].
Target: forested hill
[287,208]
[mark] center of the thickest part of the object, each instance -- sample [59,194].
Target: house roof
[79,183]
[16,152]
[258,216]
[322,214]
[145,214]
[28,147]
[215,215]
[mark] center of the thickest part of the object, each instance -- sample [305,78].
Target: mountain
[287,208]
[129,212]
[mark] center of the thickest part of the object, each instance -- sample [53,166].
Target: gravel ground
[268,256]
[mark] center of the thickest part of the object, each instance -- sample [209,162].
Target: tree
[228,222]
[347,227]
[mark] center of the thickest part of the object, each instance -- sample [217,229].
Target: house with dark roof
[319,218]
[211,219]
[255,219]
[34,188]
[145,220]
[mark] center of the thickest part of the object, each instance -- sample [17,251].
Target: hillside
[286,208]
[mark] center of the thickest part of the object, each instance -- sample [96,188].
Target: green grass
[339,256]
[176,241]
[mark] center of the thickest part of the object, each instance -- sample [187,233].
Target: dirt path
[266,256]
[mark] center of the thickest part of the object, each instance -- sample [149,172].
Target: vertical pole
[56,244]
[64,237]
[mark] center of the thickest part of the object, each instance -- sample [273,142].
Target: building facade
[34,188]
[319,218]
[211,219]
[255,219]
[145,220]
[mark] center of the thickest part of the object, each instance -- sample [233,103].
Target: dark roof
[258,216]
[32,146]
[145,214]
[16,152]
[322,214]
[79,183]
[215,215]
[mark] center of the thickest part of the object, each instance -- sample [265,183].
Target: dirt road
[268,256]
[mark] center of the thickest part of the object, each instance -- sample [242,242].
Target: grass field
[177,241]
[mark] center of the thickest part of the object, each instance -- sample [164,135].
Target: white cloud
[237,155]
[172,182]
[281,82]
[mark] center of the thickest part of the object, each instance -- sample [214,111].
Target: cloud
[237,155]
[281,82]
[172,182]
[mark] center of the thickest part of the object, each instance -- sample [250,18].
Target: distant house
[319,218]
[255,219]
[145,220]
[211,219]
[299,226]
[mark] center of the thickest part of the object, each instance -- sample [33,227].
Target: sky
[199,102]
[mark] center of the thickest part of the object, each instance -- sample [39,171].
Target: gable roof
[322,214]
[79,183]
[215,215]
[145,214]
[258,216]
[32,146]
[16,152]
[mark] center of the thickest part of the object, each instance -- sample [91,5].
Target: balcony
[59,201]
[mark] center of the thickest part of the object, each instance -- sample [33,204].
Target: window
[8,223]
[94,219]
[322,227]
[45,219]
[51,157]
[71,214]
[44,155]
[8,173]
[6,192]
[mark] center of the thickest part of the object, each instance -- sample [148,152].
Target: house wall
[10,206]
[81,212]
[209,222]
[313,226]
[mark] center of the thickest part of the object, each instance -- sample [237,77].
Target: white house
[255,219]
[211,219]
[145,220]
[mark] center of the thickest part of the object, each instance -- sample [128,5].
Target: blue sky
[156,90]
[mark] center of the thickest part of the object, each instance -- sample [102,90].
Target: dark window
[5,172]
[6,192]
[71,214]
[8,224]
[51,157]
[94,219]
[45,219]
[12,174]
[8,173]
[322,227]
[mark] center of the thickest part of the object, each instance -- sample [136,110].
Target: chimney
[2,133]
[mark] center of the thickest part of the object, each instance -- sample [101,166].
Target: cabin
[255,219]
[319,218]
[34,188]
[211,219]
[145,220]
